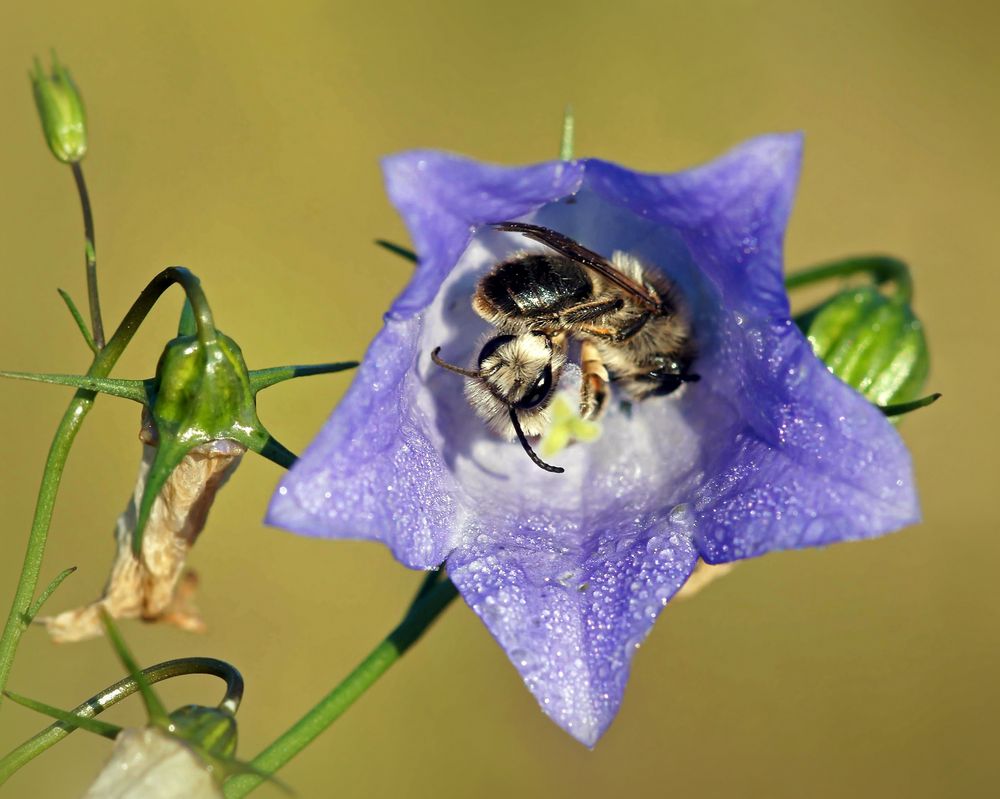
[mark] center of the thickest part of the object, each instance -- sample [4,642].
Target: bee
[632,327]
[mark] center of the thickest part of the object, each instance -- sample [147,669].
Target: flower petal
[443,197]
[731,212]
[571,628]
[371,473]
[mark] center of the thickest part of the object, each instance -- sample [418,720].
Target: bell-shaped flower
[767,451]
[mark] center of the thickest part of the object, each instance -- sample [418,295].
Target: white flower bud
[150,763]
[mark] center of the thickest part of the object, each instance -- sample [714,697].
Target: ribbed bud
[872,342]
[60,107]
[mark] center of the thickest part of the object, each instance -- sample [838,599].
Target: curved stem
[100,702]
[882,268]
[77,411]
[203,319]
[420,616]
[90,254]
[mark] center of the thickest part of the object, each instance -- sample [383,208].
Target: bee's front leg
[593,381]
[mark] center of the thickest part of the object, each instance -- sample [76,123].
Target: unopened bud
[60,106]
[872,342]
[150,763]
[211,730]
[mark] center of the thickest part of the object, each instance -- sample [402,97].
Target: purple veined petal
[815,464]
[731,212]
[372,473]
[443,197]
[571,628]
[768,451]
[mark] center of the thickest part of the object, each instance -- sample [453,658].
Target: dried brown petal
[151,587]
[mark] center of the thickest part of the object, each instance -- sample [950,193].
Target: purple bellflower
[767,451]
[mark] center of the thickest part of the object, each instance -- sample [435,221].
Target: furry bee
[632,328]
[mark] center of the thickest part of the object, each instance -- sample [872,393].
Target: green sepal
[135,390]
[61,110]
[398,249]
[265,378]
[872,342]
[909,407]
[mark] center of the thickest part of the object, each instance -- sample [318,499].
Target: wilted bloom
[153,586]
[768,451]
[60,107]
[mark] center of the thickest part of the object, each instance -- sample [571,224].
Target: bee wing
[577,252]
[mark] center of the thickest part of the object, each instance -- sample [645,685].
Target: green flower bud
[60,106]
[202,391]
[208,729]
[872,342]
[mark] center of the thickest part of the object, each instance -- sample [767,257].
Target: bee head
[513,385]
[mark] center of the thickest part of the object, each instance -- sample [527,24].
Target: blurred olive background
[242,140]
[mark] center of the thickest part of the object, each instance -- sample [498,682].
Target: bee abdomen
[534,285]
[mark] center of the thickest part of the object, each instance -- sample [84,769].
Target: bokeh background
[242,140]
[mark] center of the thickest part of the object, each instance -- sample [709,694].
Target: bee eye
[491,346]
[538,392]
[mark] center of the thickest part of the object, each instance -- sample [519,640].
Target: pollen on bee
[567,426]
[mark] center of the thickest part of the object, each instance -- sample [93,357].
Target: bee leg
[593,381]
[619,334]
[586,311]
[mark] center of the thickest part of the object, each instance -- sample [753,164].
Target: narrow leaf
[78,318]
[49,589]
[73,721]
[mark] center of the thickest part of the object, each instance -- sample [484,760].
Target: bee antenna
[527,447]
[451,367]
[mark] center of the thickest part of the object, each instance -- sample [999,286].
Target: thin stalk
[882,269]
[90,255]
[100,702]
[65,434]
[420,616]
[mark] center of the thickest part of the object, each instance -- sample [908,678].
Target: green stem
[90,254]
[100,702]
[70,424]
[333,705]
[882,269]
